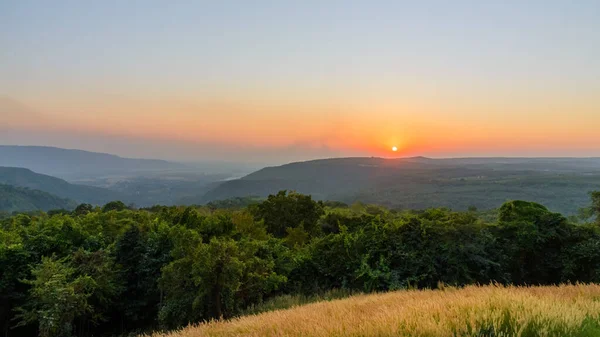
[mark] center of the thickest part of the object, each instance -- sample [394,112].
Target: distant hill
[74,163]
[561,183]
[22,177]
[21,199]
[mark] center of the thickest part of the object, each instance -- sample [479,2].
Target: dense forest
[560,184]
[13,199]
[113,270]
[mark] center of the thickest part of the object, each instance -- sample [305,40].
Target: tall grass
[290,301]
[567,310]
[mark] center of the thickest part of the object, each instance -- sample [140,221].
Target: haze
[281,81]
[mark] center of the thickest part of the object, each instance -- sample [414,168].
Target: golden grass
[567,310]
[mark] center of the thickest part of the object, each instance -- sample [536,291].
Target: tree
[56,298]
[532,240]
[13,258]
[59,211]
[176,281]
[289,210]
[596,205]
[83,209]
[99,266]
[114,206]
[296,237]
[518,210]
[582,257]
[121,273]
[246,226]
[140,308]
[215,279]
[219,269]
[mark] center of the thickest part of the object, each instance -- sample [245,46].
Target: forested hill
[20,199]
[67,162]
[417,183]
[22,177]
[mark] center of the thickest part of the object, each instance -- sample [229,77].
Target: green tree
[177,265]
[140,283]
[596,205]
[581,258]
[215,279]
[56,298]
[246,226]
[290,210]
[13,258]
[114,206]
[296,237]
[531,240]
[99,266]
[83,209]
[180,288]
[219,271]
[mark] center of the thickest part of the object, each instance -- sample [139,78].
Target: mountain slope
[560,183]
[22,177]
[14,198]
[67,163]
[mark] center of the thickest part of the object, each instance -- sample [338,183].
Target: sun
[394,148]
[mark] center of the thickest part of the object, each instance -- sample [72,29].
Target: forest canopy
[115,270]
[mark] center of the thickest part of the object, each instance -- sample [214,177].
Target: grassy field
[568,310]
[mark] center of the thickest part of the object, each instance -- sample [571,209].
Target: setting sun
[394,148]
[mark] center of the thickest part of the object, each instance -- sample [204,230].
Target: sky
[279,81]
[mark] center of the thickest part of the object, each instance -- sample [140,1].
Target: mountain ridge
[419,182]
[74,162]
[23,177]
[22,199]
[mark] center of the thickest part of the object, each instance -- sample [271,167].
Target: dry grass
[568,310]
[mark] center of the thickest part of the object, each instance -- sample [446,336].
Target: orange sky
[442,126]
[289,81]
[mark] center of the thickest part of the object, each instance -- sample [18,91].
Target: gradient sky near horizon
[277,81]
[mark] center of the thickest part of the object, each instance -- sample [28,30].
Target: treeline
[117,271]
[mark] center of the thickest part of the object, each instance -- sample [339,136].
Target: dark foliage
[117,271]
[14,198]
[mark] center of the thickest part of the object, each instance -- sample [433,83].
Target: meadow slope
[567,310]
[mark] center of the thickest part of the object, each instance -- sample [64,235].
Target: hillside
[416,183]
[571,310]
[77,163]
[22,177]
[23,199]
